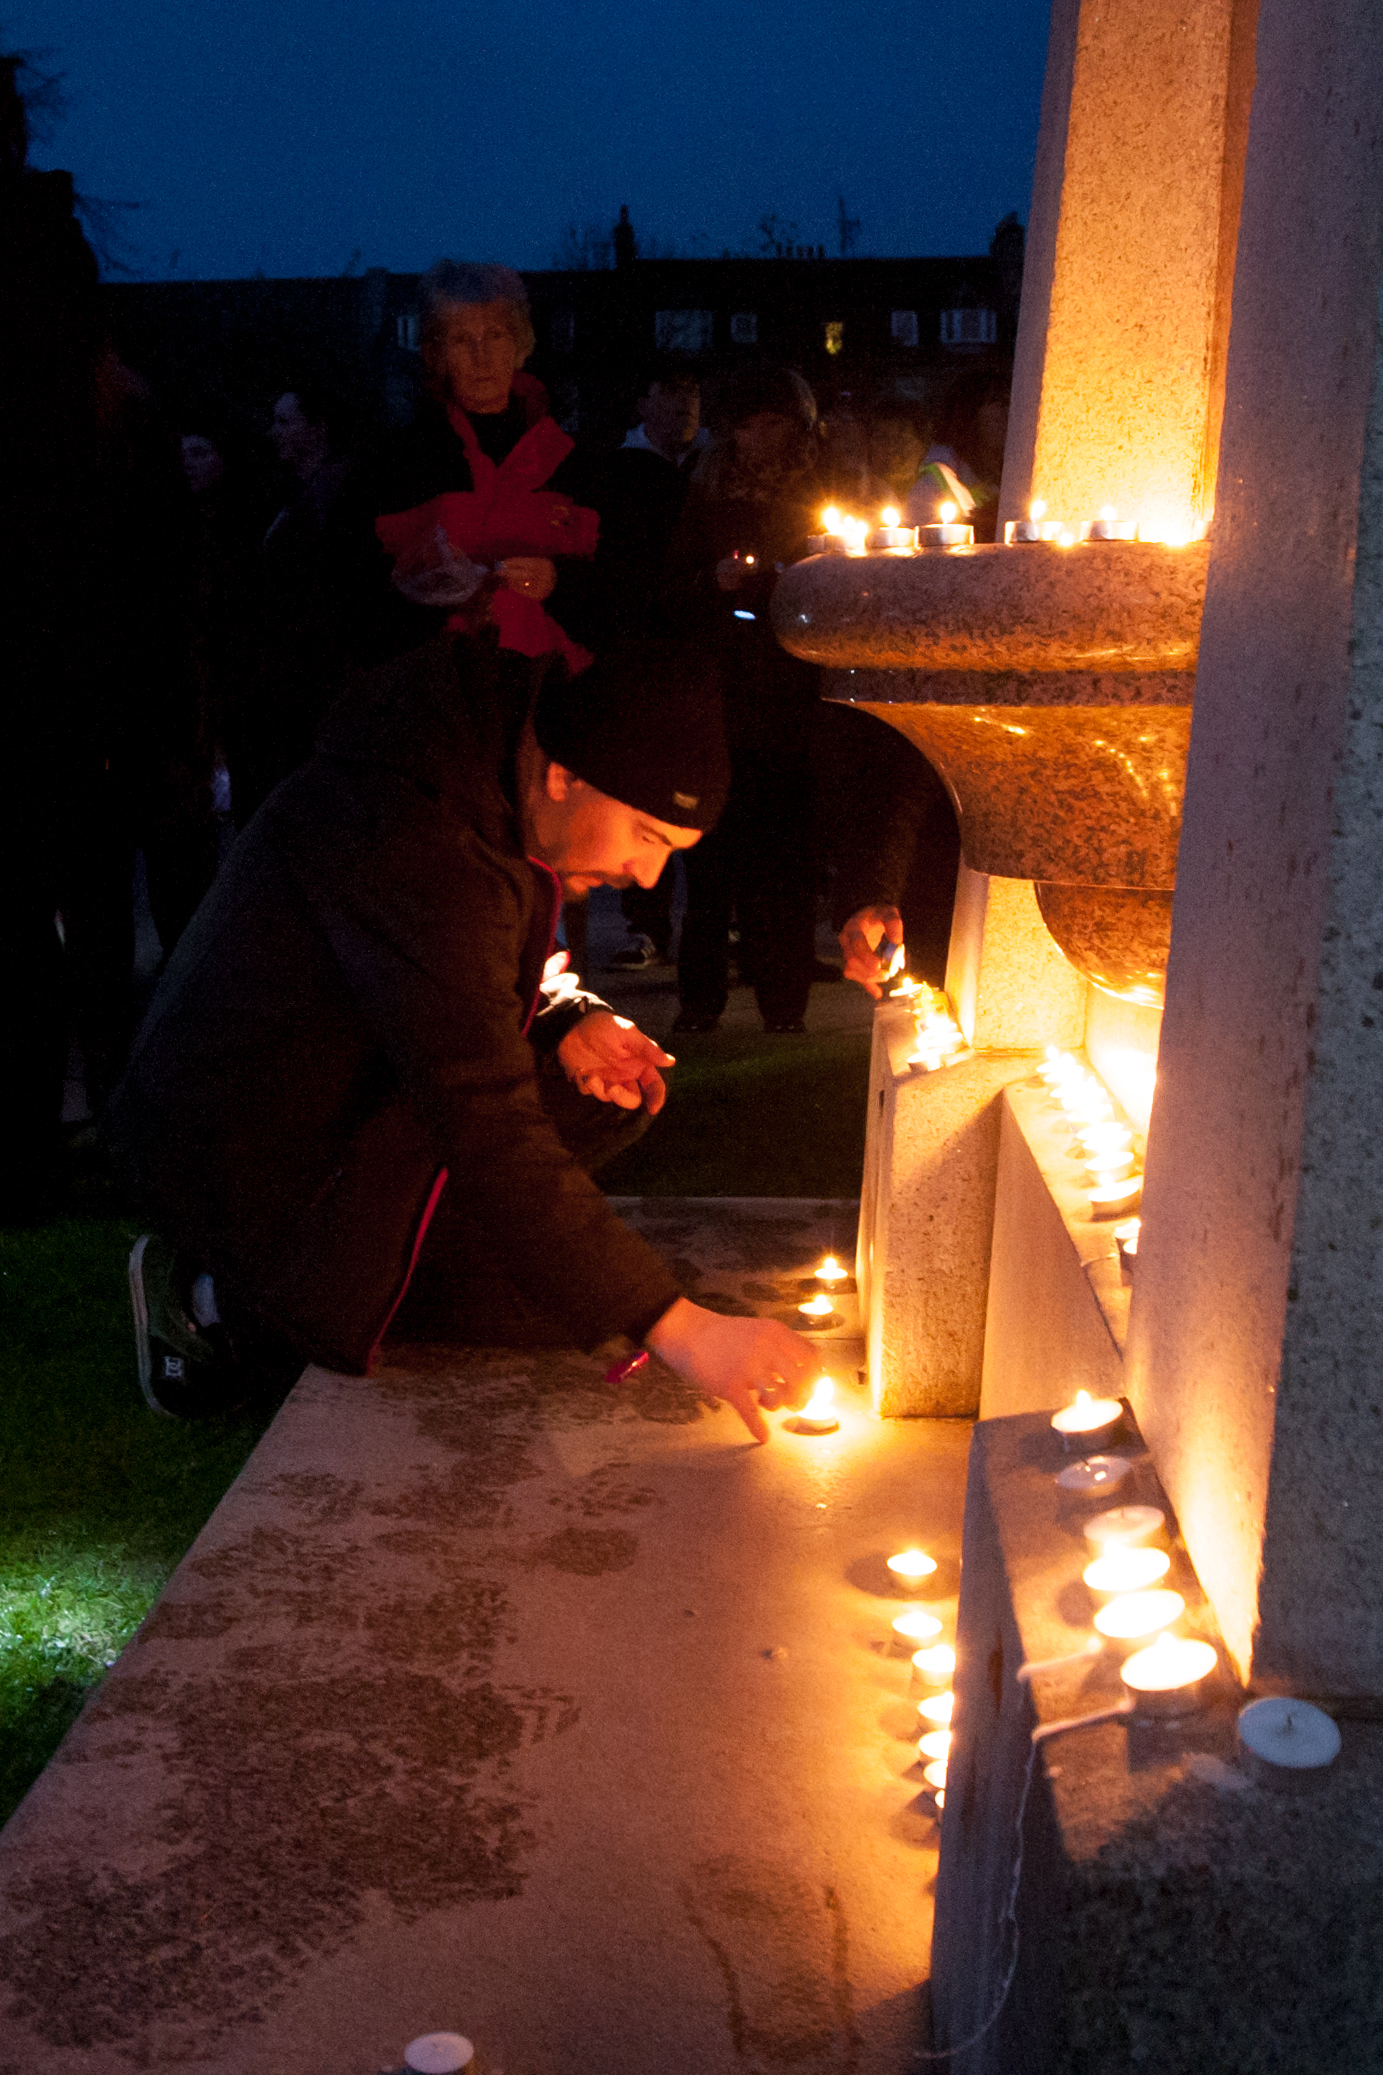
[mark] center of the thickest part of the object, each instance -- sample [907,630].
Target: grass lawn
[100,1498]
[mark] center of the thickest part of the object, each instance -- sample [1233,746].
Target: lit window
[969,327]
[835,336]
[744,328]
[683,331]
[904,327]
[406,331]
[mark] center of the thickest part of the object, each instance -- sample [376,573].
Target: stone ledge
[1170,1918]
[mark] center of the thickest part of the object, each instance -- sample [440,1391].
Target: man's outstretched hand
[605,1056]
[754,1363]
[869,940]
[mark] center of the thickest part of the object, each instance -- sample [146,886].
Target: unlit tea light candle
[1125,1527]
[1087,1423]
[1097,1473]
[911,1568]
[1165,1679]
[438,2053]
[1287,1743]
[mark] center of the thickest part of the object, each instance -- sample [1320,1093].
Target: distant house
[855,325]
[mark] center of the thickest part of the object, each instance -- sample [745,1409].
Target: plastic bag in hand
[439,576]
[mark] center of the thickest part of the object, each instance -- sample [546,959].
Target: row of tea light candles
[933,1666]
[940,1038]
[843,535]
[1105,1142]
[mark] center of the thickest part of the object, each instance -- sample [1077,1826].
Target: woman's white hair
[452,282]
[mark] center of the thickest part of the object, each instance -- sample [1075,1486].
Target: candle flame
[1038,508]
[890,515]
[946,512]
[1108,512]
[821,1403]
[830,1270]
[1082,1398]
[830,519]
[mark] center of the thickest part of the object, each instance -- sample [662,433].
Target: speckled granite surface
[1121,608]
[1171,1917]
[499,1699]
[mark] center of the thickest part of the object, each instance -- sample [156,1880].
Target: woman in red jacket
[482,503]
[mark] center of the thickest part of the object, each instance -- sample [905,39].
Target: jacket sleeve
[426,924]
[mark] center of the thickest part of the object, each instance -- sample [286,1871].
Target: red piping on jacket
[434,1197]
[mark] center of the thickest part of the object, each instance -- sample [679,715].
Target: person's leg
[703,956]
[777,892]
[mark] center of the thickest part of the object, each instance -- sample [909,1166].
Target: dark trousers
[648,909]
[758,863]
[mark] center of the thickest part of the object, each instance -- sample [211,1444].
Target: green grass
[753,1116]
[100,1498]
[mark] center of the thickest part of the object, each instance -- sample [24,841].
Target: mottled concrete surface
[497,1698]
[1171,1917]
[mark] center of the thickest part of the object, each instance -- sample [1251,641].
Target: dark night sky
[283,135]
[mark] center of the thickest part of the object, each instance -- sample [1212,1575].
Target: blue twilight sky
[284,136]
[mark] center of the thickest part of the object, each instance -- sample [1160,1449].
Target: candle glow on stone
[937,1709]
[910,1567]
[1136,1614]
[915,1626]
[1127,1570]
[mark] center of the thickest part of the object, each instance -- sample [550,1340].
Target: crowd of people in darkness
[183,621]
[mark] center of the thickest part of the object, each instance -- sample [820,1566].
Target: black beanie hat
[645,725]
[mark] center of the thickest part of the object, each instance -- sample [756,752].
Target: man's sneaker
[186,1370]
[635,957]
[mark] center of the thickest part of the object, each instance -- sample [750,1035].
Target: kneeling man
[362,1060]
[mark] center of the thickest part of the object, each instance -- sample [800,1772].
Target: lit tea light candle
[1165,1679]
[906,990]
[937,1710]
[914,1627]
[818,1415]
[1112,1199]
[1088,1423]
[910,1568]
[890,532]
[1017,531]
[1134,1617]
[1125,1527]
[1107,1166]
[947,534]
[831,539]
[935,1776]
[935,1744]
[1097,1137]
[1126,1570]
[934,1667]
[817,1313]
[1109,526]
[1287,1743]
[1097,1473]
[831,1275]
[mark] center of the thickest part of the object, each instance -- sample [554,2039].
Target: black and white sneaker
[185,1370]
[635,957]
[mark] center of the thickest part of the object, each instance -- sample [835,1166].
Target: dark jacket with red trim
[349,1013]
[511,484]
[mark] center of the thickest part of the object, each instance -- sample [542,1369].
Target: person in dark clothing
[893,835]
[361,1017]
[643,488]
[748,513]
[484,506]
